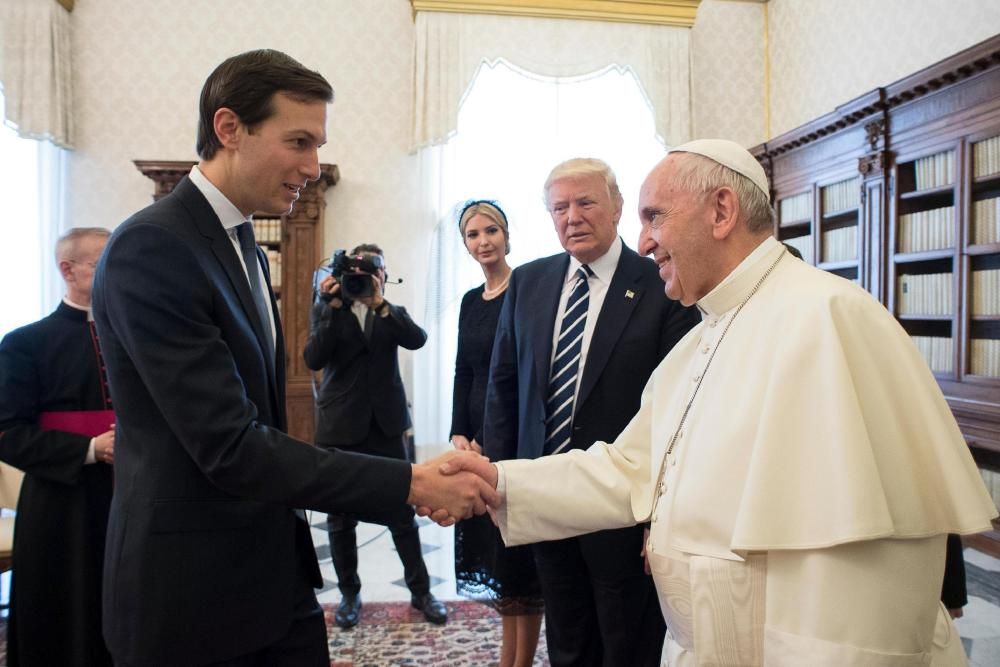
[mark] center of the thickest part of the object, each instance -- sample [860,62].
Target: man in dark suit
[361,407]
[579,335]
[206,561]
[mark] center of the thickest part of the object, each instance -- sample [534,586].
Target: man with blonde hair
[794,455]
[57,426]
[578,335]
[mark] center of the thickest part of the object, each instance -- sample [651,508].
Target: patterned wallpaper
[727,71]
[826,52]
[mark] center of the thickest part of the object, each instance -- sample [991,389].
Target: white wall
[826,52]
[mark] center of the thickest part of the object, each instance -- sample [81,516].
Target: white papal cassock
[801,517]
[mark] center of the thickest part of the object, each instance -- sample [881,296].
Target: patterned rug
[393,633]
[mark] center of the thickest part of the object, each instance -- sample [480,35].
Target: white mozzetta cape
[817,424]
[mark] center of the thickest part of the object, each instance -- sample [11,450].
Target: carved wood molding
[165,174]
[874,164]
[963,65]
[659,12]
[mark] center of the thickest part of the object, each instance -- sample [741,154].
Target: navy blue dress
[484,567]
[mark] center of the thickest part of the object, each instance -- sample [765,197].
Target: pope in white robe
[793,454]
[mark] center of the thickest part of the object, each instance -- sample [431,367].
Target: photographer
[361,407]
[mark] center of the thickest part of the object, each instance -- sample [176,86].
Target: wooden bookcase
[296,248]
[913,169]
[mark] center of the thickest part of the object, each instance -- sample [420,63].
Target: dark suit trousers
[401,523]
[601,607]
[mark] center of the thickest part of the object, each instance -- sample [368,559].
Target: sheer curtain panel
[35,69]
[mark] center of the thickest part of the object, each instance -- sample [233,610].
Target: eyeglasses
[92,265]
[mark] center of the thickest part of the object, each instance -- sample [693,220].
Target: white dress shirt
[231,218]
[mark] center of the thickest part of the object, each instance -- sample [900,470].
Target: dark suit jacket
[360,376]
[204,552]
[633,333]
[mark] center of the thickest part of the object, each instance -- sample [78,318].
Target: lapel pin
[629,294]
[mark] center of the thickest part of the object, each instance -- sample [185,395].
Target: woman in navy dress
[484,567]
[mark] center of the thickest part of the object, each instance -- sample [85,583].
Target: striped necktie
[565,366]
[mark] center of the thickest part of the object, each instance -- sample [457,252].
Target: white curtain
[450,48]
[35,69]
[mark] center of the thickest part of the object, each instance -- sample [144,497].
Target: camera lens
[356,286]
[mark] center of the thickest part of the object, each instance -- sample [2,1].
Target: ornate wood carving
[874,163]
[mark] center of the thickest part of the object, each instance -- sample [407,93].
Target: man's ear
[227,126]
[66,270]
[726,208]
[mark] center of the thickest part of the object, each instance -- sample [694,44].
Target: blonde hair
[66,246]
[488,209]
[585,166]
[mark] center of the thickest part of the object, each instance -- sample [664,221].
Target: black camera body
[354,273]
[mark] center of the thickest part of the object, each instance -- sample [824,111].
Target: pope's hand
[457,495]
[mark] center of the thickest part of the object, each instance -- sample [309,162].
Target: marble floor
[382,580]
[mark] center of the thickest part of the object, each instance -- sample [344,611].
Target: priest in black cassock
[56,425]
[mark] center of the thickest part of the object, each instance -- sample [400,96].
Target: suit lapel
[614,316]
[209,226]
[542,328]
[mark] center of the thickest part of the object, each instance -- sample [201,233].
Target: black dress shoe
[432,608]
[349,611]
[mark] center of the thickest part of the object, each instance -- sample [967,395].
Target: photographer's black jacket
[360,377]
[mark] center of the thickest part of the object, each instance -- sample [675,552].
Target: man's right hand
[104,447]
[331,286]
[457,495]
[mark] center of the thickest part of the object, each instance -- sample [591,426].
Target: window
[20,271]
[513,127]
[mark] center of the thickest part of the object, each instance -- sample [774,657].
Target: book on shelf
[933,229]
[985,357]
[274,266]
[986,221]
[804,244]
[924,294]
[840,245]
[934,171]
[986,292]
[842,196]
[267,230]
[986,157]
[796,209]
[937,351]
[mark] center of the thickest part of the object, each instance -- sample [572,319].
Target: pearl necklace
[489,294]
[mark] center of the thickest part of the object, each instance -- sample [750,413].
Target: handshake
[453,486]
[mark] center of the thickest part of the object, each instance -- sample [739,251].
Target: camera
[354,273]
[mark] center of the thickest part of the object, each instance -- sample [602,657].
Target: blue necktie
[566,365]
[248,247]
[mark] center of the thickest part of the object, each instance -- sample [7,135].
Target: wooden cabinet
[899,190]
[294,246]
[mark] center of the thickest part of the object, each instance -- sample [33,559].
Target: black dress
[484,567]
[62,513]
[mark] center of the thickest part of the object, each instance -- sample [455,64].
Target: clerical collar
[603,267]
[734,288]
[226,211]
[76,306]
